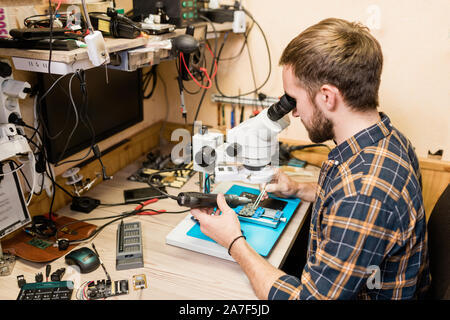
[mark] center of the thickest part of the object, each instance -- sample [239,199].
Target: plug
[96,48]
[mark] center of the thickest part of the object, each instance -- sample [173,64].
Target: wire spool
[72,176]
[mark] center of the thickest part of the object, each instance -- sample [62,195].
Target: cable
[115,218]
[205,72]
[211,71]
[81,77]
[76,120]
[150,75]
[243,45]
[269,60]
[12,171]
[150,182]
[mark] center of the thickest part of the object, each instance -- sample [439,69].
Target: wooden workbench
[171,272]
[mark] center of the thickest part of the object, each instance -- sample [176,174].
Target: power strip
[37,65]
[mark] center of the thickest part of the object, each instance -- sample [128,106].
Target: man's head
[332,62]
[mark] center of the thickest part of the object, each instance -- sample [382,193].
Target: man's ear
[328,97]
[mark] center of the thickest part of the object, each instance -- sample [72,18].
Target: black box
[181,12]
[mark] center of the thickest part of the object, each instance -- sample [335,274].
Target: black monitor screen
[111,107]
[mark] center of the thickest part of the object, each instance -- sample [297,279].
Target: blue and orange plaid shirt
[368,236]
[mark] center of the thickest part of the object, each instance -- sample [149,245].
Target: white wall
[415,38]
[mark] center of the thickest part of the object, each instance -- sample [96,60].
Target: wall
[415,38]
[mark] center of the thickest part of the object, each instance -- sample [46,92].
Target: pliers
[151,212]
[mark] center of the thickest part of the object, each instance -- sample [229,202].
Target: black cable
[245,35]
[50,11]
[81,77]
[269,60]
[131,202]
[115,218]
[157,188]
[39,109]
[212,67]
[42,151]
[150,75]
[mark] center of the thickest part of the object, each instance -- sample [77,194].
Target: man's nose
[295,113]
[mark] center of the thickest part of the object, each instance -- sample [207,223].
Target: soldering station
[93,174]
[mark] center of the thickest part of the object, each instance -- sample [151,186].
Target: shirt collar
[362,139]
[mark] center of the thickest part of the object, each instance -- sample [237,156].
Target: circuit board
[261,233]
[163,171]
[106,288]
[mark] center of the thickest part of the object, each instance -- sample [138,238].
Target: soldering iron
[208,200]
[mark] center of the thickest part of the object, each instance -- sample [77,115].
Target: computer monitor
[13,211]
[112,107]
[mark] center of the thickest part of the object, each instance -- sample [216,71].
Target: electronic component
[115,24]
[180,12]
[139,281]
[106,288]
[21,281]
[142,194]
[96,46]
[163,171]
[58,274]
[129,246]
[39,243]
[48,269]
[198,199]
[262,216]
[58,290]
[39,277]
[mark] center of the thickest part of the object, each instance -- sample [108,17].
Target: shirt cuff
[285,288]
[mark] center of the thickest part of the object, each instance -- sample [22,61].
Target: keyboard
[55,290]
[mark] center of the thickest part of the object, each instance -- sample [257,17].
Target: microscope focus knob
[205,157]
[234,150]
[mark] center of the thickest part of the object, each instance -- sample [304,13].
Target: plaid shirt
[368,223]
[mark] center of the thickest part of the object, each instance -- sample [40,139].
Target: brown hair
[340,53]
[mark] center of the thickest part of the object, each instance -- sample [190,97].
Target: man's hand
[223,226]
[283,186]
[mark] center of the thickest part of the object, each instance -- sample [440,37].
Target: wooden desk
[172,272]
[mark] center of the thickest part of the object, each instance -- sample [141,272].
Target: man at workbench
[368,230]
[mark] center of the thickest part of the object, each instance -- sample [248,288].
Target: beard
[320,129]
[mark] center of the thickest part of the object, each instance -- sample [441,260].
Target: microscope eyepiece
[281,108]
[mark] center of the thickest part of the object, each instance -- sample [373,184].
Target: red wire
[202,69]
[215,61]
[59,4]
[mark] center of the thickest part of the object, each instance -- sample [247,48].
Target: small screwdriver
[198,200]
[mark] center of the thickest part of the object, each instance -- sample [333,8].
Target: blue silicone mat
[261,238]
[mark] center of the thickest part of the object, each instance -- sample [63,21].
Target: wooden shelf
[112,44]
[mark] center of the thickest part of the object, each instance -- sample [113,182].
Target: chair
[439,248]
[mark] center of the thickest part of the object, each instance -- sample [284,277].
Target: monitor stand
[7,262]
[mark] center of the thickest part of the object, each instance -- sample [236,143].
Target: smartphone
[268,203]
[142,194]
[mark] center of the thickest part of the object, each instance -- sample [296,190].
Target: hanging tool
[241,106]
[182,104]
[232,120]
